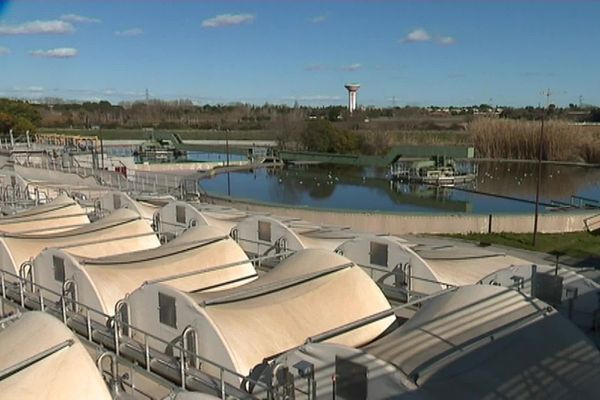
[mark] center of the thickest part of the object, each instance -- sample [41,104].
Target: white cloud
[351,67]
[318,19]
[446,40]
[417,35]
[4,51]
[421,35]
[228,20]
[62,52]
[130,32]
[37,27]
[79,19]
[315,67]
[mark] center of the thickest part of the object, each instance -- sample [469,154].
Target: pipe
[371,318]
[259,290]
[203,271]
[21,365]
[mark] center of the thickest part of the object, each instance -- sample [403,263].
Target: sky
[403,52]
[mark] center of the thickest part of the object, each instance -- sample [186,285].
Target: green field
[580,245]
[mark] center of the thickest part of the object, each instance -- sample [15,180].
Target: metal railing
[140,182]
[105,331]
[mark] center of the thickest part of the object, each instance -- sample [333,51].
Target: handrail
[10,318]
[585,199]
[118,322]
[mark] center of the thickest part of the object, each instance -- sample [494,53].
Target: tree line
[21,116]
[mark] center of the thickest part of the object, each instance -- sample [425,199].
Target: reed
[517,139]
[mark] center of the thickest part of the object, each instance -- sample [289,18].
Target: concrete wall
[188,166]
[398,224]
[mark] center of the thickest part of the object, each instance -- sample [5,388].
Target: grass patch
[582,245]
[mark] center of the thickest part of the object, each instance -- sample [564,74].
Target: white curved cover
[489,342]
[112,278]
[299,235]
[61,214]
[68,374]
[144,209]
[254,323]
[464,266]
[396,257]
[111,232]
[176,216]
[224,218]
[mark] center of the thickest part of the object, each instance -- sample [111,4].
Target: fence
[139,182]
[116,335]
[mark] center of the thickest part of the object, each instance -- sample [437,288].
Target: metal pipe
[533,279]
[4,321]
[21,293]
[258,290]
[24,220]
[146,353]
[189,330]
[222,381]
[41,299]
[88,324]
[21,365]
[116,334]
[63,308]
[3,284]
[371,318]
[206,270]
[106,240]
[182,368]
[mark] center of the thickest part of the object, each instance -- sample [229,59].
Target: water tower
[352,89]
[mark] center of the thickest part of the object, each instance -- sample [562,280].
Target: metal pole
[102,149]
[227,148]
[222,384]
[539,180]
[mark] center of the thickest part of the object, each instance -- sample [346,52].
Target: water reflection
[329,186]
[558,182]
[206,156]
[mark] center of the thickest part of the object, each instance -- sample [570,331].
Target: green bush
[322,136]
[18,116]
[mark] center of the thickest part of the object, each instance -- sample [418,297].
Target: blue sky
[401,52]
